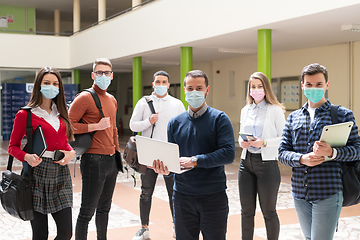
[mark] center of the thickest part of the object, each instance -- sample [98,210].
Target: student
[98,165]
[316,183]
[206,141]
[51,181]
[259,174]
[142,120]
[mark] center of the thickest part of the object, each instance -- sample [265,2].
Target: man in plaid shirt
[316,183]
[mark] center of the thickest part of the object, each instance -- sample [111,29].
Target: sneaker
[142,234]
[174,234]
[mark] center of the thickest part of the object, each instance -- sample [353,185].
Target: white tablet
[149,149]
[336,134]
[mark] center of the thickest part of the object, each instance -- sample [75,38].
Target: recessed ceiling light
[229,50]
[351,27]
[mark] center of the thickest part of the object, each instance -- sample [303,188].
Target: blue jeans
[98,182]
[318,219]
[262,178]
[206,213]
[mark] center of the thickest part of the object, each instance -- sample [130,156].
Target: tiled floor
[124,215]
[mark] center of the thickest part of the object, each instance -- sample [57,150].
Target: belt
[49,154]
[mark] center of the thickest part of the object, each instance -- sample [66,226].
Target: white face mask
[195,98]
[103,81]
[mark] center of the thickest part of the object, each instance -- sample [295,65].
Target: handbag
[351,173]
[130,152]
[15,190]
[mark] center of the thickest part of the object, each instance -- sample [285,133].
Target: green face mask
[314,94]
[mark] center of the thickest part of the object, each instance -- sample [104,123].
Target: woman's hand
[245,144]
[32,159]
[258,143]
[69,155]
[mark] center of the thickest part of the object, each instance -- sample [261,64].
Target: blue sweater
[210,138]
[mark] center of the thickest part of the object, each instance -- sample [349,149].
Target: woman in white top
[259,174]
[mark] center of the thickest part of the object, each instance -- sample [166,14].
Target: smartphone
[247,137]
[58,155]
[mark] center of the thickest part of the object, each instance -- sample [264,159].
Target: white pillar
[101,10]
[135,2]
[76,16]
[57,22]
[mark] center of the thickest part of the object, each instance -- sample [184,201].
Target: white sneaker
[142,234]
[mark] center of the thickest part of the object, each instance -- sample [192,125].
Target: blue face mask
[195,98]
[49,91]
[160,90]
[314,94]
[103,81]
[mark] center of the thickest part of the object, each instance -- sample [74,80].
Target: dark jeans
[257,177]
[63,222]
[148,181]
[206,213]
[98,182]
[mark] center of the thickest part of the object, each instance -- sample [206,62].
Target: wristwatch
[194,160]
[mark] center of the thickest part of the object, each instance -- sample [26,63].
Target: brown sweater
[83,107]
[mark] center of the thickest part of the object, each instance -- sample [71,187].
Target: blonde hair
[269,94]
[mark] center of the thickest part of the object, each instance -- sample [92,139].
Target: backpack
[130,152]
[351,173]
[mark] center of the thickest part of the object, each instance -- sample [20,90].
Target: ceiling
[320,29]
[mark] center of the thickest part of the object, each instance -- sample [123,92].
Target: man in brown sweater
[98,166]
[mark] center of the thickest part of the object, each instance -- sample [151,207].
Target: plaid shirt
[321,181]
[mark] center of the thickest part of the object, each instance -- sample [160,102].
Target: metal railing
[83,29]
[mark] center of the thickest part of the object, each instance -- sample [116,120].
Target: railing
[85,28]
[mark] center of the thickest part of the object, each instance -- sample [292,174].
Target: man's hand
[153,118]
[32,159]
[322,149]
[104,123]
[185,163]
[311,159]
[158,167]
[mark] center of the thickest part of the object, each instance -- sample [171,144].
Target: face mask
[49,91]
[160,90]
[195,98]
[103,81]
[257,94]
[314,94]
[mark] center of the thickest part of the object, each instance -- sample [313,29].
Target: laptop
[149,149]
[336,135]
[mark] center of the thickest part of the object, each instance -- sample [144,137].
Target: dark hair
[102,61]
[162,73]
[313,69]
[197,74]
[36,98]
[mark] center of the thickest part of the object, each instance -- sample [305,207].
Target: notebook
[149,149]
[39,143]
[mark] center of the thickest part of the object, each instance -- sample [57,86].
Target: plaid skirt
[51,187]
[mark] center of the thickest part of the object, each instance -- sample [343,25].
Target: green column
[264,52]
[185,67]
[76,76]
[137,75]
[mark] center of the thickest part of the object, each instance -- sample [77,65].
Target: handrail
[90,26]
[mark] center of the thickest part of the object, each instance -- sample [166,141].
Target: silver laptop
[336,135]
[149,149]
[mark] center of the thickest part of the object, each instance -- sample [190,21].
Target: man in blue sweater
[206,142]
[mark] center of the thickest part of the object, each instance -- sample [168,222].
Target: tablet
[336,135]
[149,149]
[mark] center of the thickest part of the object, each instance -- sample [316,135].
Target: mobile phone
[58,155]
[247,137]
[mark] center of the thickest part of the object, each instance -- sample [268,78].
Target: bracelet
[265,143]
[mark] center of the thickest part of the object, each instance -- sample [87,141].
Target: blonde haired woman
[259,174]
